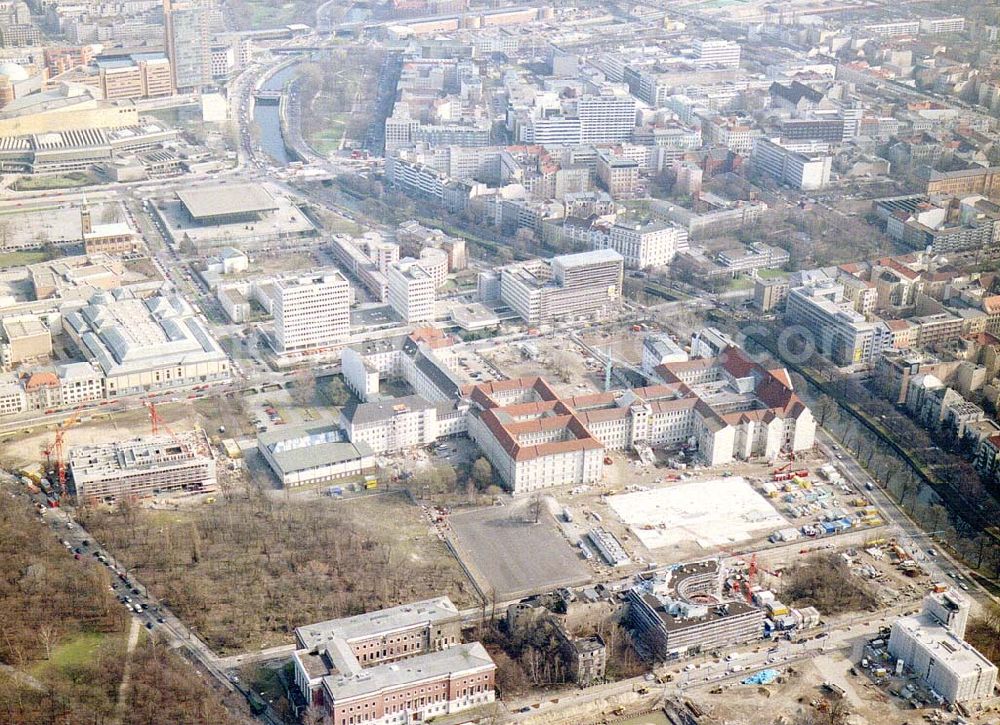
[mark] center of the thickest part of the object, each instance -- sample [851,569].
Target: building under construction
[142,467]
[682,610]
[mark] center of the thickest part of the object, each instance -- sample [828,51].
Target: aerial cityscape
[379,362]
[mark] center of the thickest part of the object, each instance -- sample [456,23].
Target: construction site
[142,467]
[97,458]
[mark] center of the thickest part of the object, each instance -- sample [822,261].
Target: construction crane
[58,449]
[753,568]
[156,421]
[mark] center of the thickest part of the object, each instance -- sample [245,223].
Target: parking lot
[517,556]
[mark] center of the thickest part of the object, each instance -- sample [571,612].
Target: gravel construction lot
[516,556]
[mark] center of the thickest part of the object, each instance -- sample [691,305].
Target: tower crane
[156,422]
[58,448]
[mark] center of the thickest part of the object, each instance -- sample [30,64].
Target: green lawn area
[77,651]
[771,273]
[327,139]
[44,183]
[740,283]
[19,259]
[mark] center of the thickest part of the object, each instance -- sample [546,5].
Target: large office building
[838,331]
[798,170]
[425,359]
[137,75]
[145,344]
[143,467]
[727,408]
[391,425]
[682,610]
[931,645]
[606,117]
[311,313]
[716,53]
[188,39]
[411,291]
[584,284]
[396,665]
[533,438]
[654,244]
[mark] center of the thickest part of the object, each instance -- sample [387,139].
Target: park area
[246,571]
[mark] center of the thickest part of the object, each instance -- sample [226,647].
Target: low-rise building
[313,453]
[659,350]
[144,344]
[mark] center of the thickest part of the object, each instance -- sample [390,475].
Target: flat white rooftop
[712,513]
[957,655]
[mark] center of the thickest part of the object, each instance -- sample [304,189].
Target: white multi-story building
[892,29]
[411,291]
[574,284]
[606,117]
[653,244]
[839,332]
[312,312]
[391,425]
[719,53]
[792,167]
[952,24]
[736,134]
[931,645]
